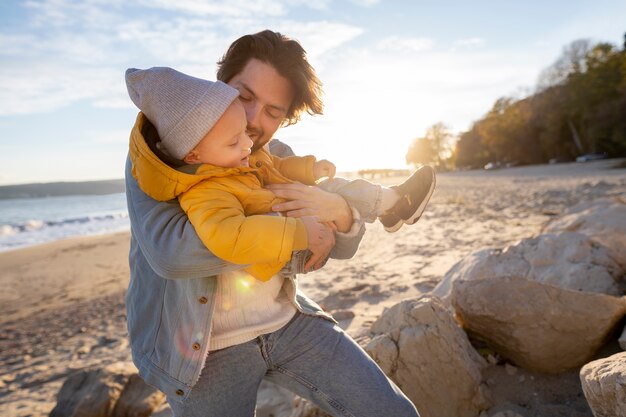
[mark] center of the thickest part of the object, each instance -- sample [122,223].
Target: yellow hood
[159,180]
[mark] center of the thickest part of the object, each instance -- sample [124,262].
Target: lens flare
[186,336]
[244,283]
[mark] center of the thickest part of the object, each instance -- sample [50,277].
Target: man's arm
[166,237]
[307,200]
[349,236]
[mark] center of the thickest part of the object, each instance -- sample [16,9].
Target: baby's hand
[323,168]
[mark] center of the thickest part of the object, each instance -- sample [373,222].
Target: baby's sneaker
[390,221]
[414,195]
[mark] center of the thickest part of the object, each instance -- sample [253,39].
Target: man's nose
[252,112]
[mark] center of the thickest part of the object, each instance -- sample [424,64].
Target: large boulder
[419,345]
[567,260]
[603,220]
[138,399]
[604,385]
[622,339]
[538,326]
[113,391]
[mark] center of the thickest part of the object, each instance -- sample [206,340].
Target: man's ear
[192,157]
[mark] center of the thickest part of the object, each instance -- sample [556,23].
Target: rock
[604,385]
[274,401]
[508,409]
[537,326]
[507,414]
[164,411]
[83,350]
[603,220]
[492,360]
[340,315]
[482,264]
[92,392]
[418,344]
[304,408]
[113,391]
[138,399]
[568,260]
[510,369]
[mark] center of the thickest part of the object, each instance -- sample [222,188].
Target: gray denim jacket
[171,292]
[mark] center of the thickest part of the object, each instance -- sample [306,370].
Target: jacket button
[196,346]
[258,164]
[203,300]
[180,392]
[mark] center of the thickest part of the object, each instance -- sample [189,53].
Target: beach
[62,304]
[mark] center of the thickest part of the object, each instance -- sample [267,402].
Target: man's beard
[256,135]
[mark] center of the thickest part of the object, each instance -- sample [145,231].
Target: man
[174,298]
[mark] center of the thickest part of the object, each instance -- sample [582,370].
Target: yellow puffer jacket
[228,206]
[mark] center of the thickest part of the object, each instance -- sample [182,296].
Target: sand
[62,304]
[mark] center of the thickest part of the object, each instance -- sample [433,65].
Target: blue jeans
[360,194]
[309,356]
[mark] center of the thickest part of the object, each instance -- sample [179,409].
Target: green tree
[590,97]
[434,147]
[439,137]
[551,122]
[420,152]
[470,151]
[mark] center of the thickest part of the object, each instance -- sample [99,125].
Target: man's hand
[305,200]
[321,240]
[323,168]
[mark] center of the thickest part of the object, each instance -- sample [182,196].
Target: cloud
[236,8]
[326,4]
[396,43]
[64,46]
[314,5]
[365,3]
[314,36]
[106,137]
[101,13]
[48,68]
[180,40]
[470,42]
[30,90]
[49,14]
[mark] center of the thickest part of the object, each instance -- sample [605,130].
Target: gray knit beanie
[182,108]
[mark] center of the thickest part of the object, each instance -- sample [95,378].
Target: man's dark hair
[288,58]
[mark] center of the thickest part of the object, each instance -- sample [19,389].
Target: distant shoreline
[59,189]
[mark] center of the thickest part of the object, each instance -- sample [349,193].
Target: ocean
[31,221]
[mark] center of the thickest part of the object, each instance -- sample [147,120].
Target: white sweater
[246,308]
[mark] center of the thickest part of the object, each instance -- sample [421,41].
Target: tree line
[578,107]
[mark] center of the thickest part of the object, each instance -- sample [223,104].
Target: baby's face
[227,144]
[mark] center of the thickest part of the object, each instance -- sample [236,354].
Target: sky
[390,69]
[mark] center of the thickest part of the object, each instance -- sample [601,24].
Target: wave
[34,232]
[33,225]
